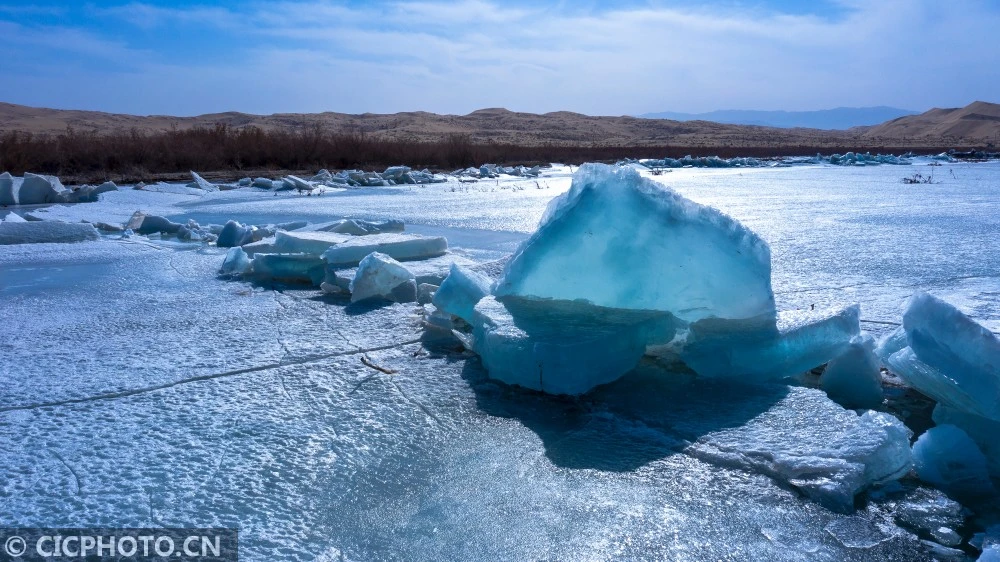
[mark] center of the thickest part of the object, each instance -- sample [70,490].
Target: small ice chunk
[618,240]
[299,183]
[14,217]
[201,183]
[799,341]
[981,430]
[37,190]
[460,292]
[563,347]
[381,277]
[946,457]
[397,246]
[288,268]
[891,343]
[236,263]
[946,536]
[950,357]
[8,195]
[45,232]
[263,183]
[234,234]
[943,553]
[357,227]
[308,242]
[853,379]
[142,223]
[425,293]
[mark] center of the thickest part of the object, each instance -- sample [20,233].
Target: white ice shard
[397,246]
[298,183]
[263,183]
[983,431]
[618,240]
[461,291]
[288,268]
[950,357]
[946,457]
[8,195]
[425,293]
[853,379]
[199,182]
[381,277]
[14,217]
[236,263]
[890,343]
[757,351]
[45,232]
[234,234]
[991,545]
[563,347]
[430,270]
[149,224]
[307,242]
[37,190]
[359,227]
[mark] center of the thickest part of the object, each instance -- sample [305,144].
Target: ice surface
[349,253]
[946,457]
[562,347]
[856,532]
[8,195]
[798,342]
[618,240]
[309,456]
[283,432]
[460,291]
[381,277]
[44,232]
[950,358]
[308,242]
[236,263]
[796,435]
[36,190]
[852,379]
[983,431]
[234,234]
[288,268]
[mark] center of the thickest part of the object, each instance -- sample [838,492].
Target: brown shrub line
[133,155]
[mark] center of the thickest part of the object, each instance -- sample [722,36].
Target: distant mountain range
[832,119]
[976,125]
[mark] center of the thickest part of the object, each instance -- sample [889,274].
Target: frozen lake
[141,390]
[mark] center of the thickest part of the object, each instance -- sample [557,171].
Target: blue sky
[592,56]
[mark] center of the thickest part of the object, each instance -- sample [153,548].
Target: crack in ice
[201,378]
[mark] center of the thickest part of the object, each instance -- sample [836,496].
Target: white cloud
[457,57]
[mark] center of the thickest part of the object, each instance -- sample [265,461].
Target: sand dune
[978,121]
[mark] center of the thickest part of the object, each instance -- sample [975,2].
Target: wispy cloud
[605,59]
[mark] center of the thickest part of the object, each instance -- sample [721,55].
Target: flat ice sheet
[159,395]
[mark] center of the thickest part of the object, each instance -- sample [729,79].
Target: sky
[590,56]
